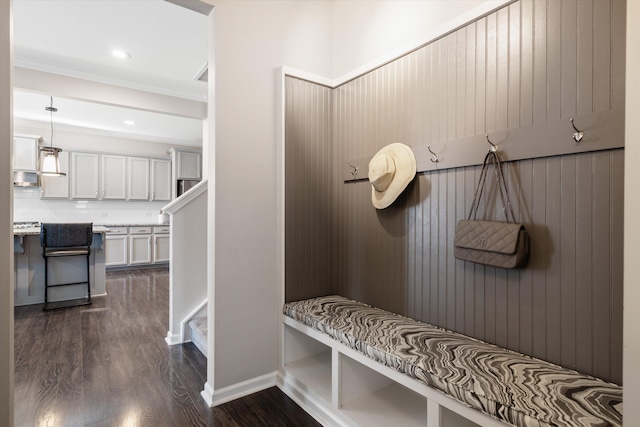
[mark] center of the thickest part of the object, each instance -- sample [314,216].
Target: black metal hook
[494,147]
[354,172]
[435,158]
[578,135]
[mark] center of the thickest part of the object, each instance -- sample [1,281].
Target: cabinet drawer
[140,230]
[118,230]
[161,230]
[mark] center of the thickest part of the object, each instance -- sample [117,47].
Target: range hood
[25,179]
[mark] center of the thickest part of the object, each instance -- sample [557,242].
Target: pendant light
[49,156]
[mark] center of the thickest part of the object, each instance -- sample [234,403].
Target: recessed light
[129,122]
[120,54]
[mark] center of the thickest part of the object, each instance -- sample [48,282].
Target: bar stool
[62,240]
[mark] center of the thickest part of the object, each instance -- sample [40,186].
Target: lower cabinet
[140,245]
[116,247]
[161,244]
[134,246]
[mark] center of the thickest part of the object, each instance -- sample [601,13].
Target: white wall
[371,32]
[6,213]
[631,342]
[252,40]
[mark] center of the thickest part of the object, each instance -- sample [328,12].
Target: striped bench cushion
[509,386]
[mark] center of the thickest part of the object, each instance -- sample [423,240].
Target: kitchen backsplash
[27,206]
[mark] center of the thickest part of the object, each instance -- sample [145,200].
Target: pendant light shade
[49,156]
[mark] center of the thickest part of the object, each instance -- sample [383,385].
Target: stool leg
[88,279]
[46,281]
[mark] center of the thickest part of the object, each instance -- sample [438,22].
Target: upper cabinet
[160,179]
[25,153]
[96,176]
[85,179]
[113,177]
[188,165]
[138,182]
[57,187]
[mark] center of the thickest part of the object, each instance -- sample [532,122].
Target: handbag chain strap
[492,157]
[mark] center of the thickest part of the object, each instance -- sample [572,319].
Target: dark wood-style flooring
[107,364]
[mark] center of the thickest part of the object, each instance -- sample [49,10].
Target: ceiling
[168,48]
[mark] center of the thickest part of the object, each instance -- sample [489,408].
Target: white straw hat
[390,171]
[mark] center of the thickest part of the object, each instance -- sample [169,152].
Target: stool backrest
[66,235]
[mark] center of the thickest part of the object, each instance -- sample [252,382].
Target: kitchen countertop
[34,231]
[134,224]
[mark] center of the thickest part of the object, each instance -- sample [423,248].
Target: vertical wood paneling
[502,68]
[601,55]
[470,81]
[491,74]
[539,61]
[601,263]
[616,185]
[584,274]
[553,252]
[513,105]
[530,62]
[618,49]
[461,82]
[524,171]
[526,63]
[567,247]
[569,58]
[554,59]
[584,44]
[481,76]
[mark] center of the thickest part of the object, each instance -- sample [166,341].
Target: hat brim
[405,162]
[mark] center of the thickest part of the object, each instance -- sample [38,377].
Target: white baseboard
[320,410]
[236,391]
[173,339]
[207,394]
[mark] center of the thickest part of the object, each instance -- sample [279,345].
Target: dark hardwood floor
[107,365]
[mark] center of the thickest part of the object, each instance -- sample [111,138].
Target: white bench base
[340,387]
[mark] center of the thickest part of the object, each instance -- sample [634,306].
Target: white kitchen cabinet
[114,177]
[85,179]
[160,179]
[189,165]
[138,169]
[56,187]
[140,239]
[136,246]
[25,153]
[116,247]
[161,244]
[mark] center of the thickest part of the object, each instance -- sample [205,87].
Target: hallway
[107,364]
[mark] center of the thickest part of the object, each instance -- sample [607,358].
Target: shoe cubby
[308,361]
[369,398]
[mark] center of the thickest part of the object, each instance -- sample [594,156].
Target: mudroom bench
[348,363]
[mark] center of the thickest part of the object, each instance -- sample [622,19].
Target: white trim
[241,389]
[207,394]
[182,201]
[313,406]
[315,78]
[172,339]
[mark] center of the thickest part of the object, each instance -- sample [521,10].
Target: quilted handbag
[493,243]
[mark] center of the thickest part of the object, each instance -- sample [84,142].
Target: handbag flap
[491,236]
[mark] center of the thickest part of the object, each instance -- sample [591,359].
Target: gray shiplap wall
[530,62]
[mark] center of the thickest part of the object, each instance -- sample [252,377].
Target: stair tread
[199,334]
